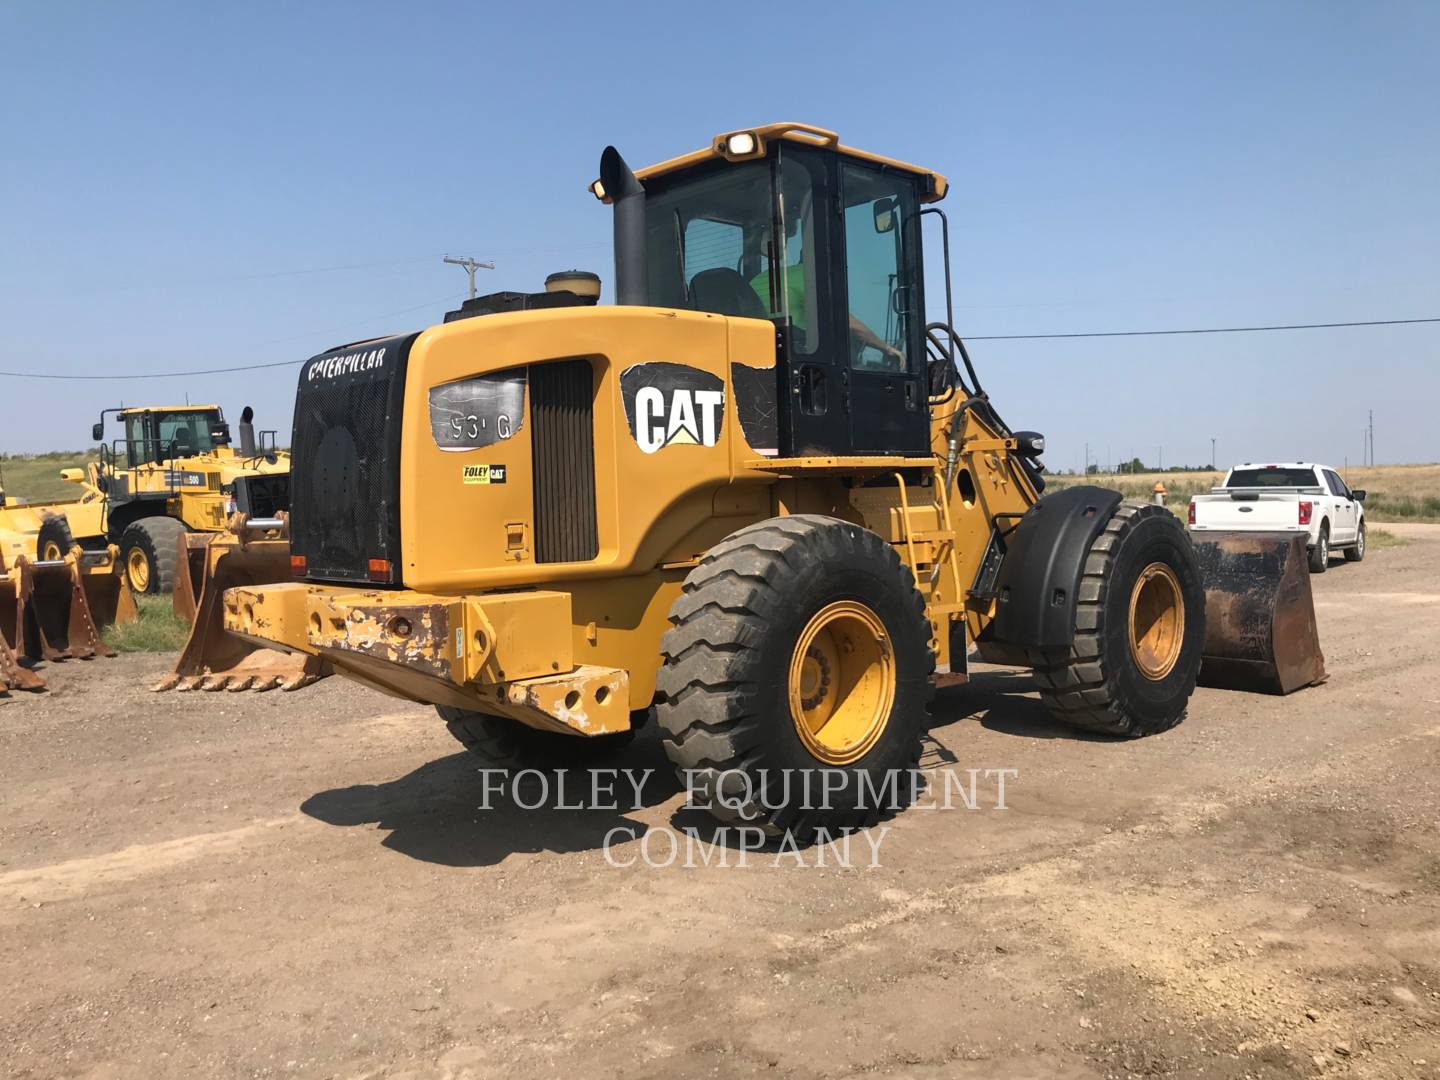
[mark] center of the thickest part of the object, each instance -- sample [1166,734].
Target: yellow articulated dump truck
[172,471]
[762,501]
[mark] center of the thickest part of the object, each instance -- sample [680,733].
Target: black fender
[1039,577]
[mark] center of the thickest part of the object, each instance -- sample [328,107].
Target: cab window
[880,267]
[188,431]
[705,240]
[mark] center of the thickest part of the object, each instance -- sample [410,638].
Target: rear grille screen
[345,460]
[562,445]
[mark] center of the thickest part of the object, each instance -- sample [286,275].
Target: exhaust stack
[247,432]
[628,195]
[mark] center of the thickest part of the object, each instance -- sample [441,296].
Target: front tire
[1320,553]
[54,540]
[795,687]
[147,551]
[1356,552]
[1139,629]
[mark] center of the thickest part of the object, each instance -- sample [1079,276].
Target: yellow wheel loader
[172,472]
[763,501]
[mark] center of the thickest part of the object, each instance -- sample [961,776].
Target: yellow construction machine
[173,471]
[763,499]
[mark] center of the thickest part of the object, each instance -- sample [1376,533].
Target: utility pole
[470,266]
[1086,470]
[1370,439]
[1212,452]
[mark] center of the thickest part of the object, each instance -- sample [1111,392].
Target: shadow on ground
[1002,701]
[448,812]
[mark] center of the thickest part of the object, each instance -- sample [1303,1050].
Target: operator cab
[785,224]
[158,435]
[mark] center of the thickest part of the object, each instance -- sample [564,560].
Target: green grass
[1392,492]
[1379,538]
[36,477]
[1383,506]
[157,631]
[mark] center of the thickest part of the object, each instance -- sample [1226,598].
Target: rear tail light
[1192,514]
[297,565]
[380,570]
[1306,508]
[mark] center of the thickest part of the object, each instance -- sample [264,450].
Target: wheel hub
[1157,621]
[138,567]
[842,682]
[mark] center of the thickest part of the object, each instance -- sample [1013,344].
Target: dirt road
[307,885]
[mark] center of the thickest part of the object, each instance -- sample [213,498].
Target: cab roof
[734,146]
[167,408]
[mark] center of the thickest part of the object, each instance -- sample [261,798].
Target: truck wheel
[795,687]
[509,744]
[147,551]
[54,540]
[1320,553]
[1139,629]
[1356,551]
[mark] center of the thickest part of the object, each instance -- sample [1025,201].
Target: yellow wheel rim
[842,682]
[138,567]
[1157,621]
[51,552]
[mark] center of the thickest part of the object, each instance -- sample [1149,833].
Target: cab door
[884,317]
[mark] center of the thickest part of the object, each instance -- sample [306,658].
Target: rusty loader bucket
[1260,631]
[12,644]
[106,588]
[189,574]
[253,552]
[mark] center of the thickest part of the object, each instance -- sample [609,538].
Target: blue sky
[181,182]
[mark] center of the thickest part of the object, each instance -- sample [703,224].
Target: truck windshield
[1272,477]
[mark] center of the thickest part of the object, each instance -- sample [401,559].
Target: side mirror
[220,433]
[97,431]
[884,210]
[1358,496]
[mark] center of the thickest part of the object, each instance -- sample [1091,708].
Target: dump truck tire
[509,744]
[54,540]
[1139,630]
[147,553]
[1320,553]
[1356,551]
[784,629]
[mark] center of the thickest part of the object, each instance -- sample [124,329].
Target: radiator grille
[562,445]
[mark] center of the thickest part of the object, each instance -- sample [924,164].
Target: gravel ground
[310,885]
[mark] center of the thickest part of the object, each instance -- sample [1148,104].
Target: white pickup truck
[1294,496]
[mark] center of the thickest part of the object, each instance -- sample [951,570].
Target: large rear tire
[147,552]
[795,687]
[509,744]
[1139,630]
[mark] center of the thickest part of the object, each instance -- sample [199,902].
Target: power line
[968,337]
[227,370]
[1205,330]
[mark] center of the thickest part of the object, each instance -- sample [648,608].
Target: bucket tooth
[1260,631]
